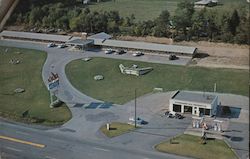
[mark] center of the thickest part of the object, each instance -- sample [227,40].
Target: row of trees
[190,24]
[186,23]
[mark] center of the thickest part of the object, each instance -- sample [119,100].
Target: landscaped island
[119,88]
[23,95]
[189,145]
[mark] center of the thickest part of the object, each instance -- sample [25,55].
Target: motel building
[197,104]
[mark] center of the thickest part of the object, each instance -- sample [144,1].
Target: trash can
[108,126]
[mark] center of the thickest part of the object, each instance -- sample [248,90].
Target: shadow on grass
[112,128]
[210,139]
[180,128]
[148,133]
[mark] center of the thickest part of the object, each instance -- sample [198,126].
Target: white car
[61,46]
[51,45]
[108,51]
[138,53]
[139,121]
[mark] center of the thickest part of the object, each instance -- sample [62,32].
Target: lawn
[148,9]
[119,88]
[116,129]
[27,75]
[188,145]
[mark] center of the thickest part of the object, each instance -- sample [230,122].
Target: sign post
[53,85]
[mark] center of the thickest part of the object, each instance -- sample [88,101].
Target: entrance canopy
[80,42]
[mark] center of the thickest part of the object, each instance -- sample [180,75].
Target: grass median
[119,88]
[31,106]
[116,129]
[189,145]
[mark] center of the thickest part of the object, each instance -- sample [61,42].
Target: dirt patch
[221,55]
[15,28]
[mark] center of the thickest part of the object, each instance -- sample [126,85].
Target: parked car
[139,121]
[51,45]
[166,113]
[61,46]
[137,53]
[171,114]
[172,57]
[119,52]
[108,51]
[179,116]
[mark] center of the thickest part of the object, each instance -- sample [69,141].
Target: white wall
[194,104]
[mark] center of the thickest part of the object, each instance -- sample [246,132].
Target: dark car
[166,113]
[119,52]
[179,116]
[172,57]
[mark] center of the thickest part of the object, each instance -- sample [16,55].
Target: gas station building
[197,104]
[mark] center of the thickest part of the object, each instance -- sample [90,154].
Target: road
[58,146]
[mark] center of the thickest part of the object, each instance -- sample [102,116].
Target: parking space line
[49,157]
[14,149]
[97,148]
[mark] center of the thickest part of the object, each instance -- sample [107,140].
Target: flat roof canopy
[146,46]
[35,36]
[194,97]
[101,35]
[80,42]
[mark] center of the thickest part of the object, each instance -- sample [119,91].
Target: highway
[58,146]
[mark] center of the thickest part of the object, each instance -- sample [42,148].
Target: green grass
[148,9]
[119,88]
[188,145]
[116,129]
[27,75]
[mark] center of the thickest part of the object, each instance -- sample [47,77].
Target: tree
[199,23]
[224,28]
[211,26]
[243,30]
[162,24]
[74,24]
[234,22]
[183,14]
[35,15]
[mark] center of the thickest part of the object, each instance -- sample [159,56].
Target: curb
[236,154]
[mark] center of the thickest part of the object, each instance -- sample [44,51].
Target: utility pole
[135,109]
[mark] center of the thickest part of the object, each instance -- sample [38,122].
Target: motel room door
[196,111]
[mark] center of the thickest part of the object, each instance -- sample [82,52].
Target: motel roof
[35,36]
[145,46]
[194,97]
[101,35]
